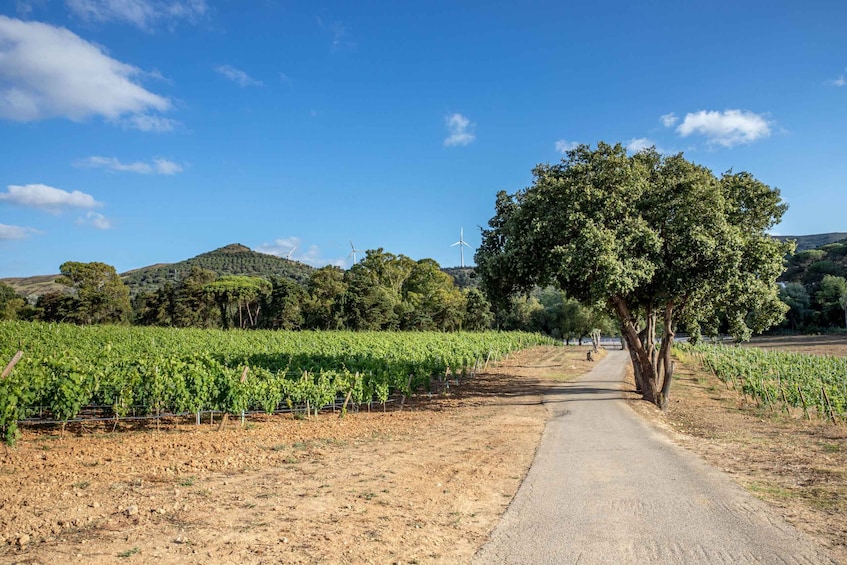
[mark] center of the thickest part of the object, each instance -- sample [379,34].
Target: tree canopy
[651,237]
[98,295]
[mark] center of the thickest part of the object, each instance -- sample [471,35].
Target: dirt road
[606,487]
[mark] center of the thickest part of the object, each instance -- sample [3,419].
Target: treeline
[382,292]
[814,286]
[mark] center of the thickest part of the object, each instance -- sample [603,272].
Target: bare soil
[423,485]
[798,467]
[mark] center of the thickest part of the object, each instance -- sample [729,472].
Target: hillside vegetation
[815,288]
[814,241]
[233,259]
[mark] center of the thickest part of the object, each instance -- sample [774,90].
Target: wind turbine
[290,252]
[353,252]
[462,244]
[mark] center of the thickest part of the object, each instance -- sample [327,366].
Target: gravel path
[606,487]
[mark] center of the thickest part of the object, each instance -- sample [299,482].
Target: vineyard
[780,380]
[70,373]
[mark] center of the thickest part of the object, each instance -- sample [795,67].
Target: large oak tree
[656,239]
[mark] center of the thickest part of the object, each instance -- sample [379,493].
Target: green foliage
[777,377]
[283,307]
[237,298]
[322,308]
[11,303]
[234,259]
[478,316]
[648,236]
[833,296]
[155,371]
[98,295]
[816,271]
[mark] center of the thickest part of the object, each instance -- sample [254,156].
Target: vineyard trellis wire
[813,384]
[112,371]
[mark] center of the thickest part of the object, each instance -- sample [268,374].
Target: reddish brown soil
[425,484]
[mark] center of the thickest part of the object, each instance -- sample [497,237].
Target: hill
[34,286]
[464,277]
[815,241]
[233,259]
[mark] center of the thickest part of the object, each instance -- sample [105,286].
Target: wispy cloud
[637,144]
[459,130]
[838,82]
[47,198]
[563,146]
[24,8]
[166,167]
[145,122]
[669,120]
[48,72]
[727,128]
[16,232]
[294,249]
[143,14]
[237,76]
[158,165]
[339,33]
[95,220]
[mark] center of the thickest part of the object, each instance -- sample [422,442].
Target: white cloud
[637,144]
[460,130]
[95,220]
[145,122]
[166,167]
[48,72]
[726,128]
[838,82]
[563,146]
[159,165]
[669,120]
[16,232]
[47,197]
[144,14]
[310,255]
[113,164]
[237,76]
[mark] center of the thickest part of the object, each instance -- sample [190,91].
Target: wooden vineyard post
[344,406]
[784,400]
[8,370]
[803,400]
[403,400]
[828,405]
[244,378]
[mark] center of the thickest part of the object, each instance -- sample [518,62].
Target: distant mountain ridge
[233,259]
[814,241]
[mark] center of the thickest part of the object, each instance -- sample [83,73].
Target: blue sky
[145,131]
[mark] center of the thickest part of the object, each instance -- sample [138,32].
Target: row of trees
[382,292]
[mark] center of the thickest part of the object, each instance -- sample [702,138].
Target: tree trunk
[641,361]
[665,356]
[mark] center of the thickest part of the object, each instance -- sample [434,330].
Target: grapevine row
[812,383]
[66,369]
